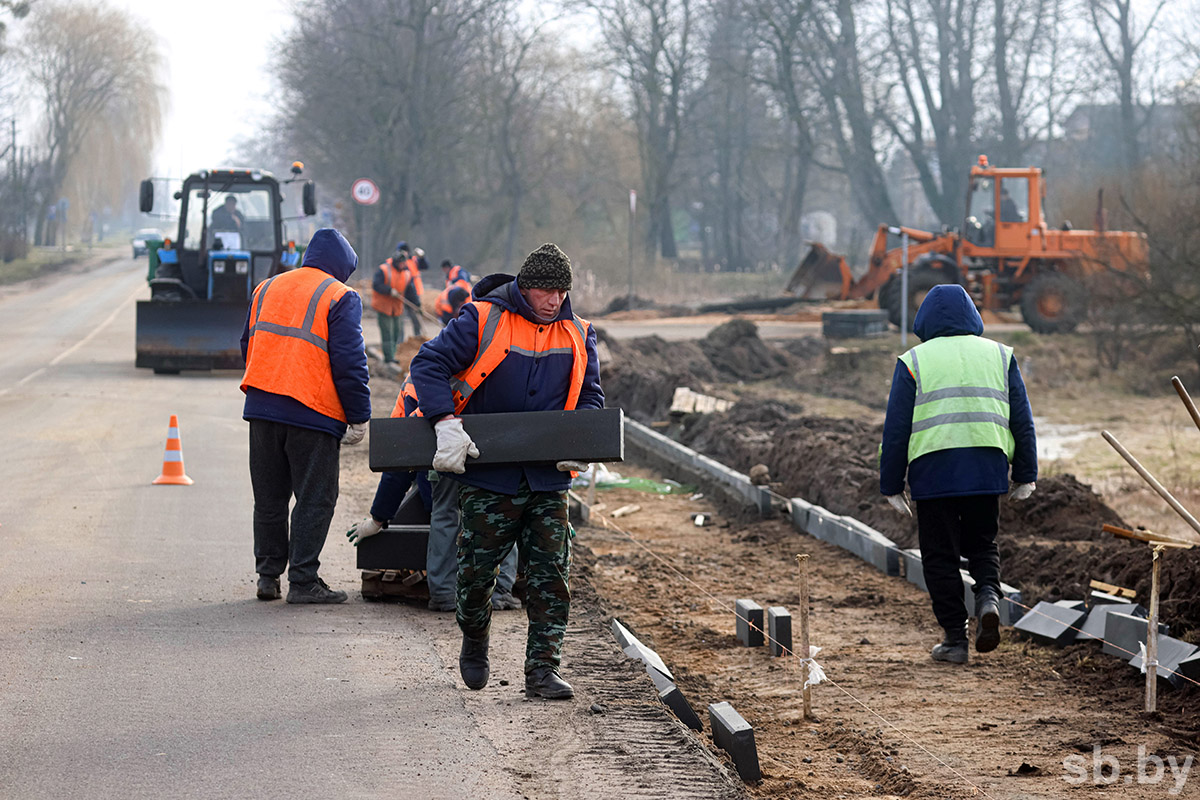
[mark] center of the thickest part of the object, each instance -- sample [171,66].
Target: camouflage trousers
[535,522]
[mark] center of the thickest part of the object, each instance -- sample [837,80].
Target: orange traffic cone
[172,469]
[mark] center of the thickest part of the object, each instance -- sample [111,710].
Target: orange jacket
[442,304]
[415,271]
[396,278]
[287,352]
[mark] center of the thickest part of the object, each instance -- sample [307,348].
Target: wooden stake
[805,652]
[1150,479]
[1187,400]
[1151,661]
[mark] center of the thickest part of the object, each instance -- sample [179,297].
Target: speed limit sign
[365,192]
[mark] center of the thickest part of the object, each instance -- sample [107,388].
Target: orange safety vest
[415,271]
[499,332]
[288,349]
[455,274]
[397,278]
[442,304]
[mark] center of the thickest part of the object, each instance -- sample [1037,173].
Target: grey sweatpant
[287,460]
[441,557]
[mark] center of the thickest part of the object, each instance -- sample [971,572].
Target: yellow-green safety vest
[962,395]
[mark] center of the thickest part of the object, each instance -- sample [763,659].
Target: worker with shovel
[957,417]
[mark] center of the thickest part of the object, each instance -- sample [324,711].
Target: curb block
[779,631]
[673,699]
[750,623]
[1125,631]
[1054,627]
[1170,653]
[735,736]
[1093,626]
[655,668]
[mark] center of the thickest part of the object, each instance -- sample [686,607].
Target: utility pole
[632,216]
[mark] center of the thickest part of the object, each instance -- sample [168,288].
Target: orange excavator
[1005,255]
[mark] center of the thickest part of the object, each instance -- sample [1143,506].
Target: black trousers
[287,460]
[949,527]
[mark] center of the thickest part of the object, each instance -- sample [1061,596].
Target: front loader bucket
[189,334]
[817,264]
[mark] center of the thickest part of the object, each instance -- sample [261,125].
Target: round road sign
[365,192]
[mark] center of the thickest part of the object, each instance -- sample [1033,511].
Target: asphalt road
[135,661]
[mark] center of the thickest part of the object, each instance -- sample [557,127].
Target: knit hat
[545,268]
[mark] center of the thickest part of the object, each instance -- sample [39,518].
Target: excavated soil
[1052,545]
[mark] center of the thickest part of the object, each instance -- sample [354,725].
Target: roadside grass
[45,260]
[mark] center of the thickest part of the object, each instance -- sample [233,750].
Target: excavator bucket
[189,334]
[817,264]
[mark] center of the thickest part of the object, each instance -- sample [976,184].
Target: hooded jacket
[329,252]
[520,382]
[949,311]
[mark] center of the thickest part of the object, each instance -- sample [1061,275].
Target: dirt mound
[645,372]
[737,353]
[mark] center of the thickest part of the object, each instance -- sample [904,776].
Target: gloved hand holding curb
[1021,491]
[897,501]
[362,529]
[453,446]
[355,432]
[572,466]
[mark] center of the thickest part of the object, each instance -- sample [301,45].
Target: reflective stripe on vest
[496,329]
[397,278]
[288,348]
[962,395]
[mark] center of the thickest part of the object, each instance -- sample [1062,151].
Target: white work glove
[419,253]
[355,432]
[897,501]
[361,530]
[1021,491]
[453,446]
[572,466]
[396,294]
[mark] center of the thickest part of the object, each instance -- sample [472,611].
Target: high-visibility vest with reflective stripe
[962,395]
[454,274]
[442,304]
[398,278]
[406,390]
[288,349]
[414,269]
[501,332]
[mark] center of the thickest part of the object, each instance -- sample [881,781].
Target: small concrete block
[1093,626]
[913,570]
[674,700]
[779,631]
[1122,632]
[800,512]
[749,623]
[1170,653]
[1190,667]
[734,735]
[1104,598]
[1050,624]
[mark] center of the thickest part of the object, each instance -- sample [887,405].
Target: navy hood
[502,289]
[947,311]
[329,251]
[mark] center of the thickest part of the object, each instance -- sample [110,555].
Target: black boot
[987,637]
[953,648]
[473,662]
[545,682]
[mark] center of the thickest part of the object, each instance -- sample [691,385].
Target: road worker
[957,417]
[515,347]
[458,279]
[306,395]
[441,560]
[416,264]
[391,287]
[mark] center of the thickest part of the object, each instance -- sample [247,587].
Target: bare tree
[1120,38]
[95,71]
[651,45]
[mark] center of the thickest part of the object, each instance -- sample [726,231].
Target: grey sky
[216,53]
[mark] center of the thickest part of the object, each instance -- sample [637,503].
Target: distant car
[140,239]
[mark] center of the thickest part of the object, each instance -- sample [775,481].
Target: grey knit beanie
[545,268]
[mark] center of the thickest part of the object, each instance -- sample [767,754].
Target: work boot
[268,588]
[953,648]
[473,662]
[987,636]
[504,601]
[316,592]
[545,682]
[442,604]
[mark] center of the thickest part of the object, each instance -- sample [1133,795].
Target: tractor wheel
[1053,302]
[919,284]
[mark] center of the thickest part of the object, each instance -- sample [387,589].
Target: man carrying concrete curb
[957,417]
[515,347]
